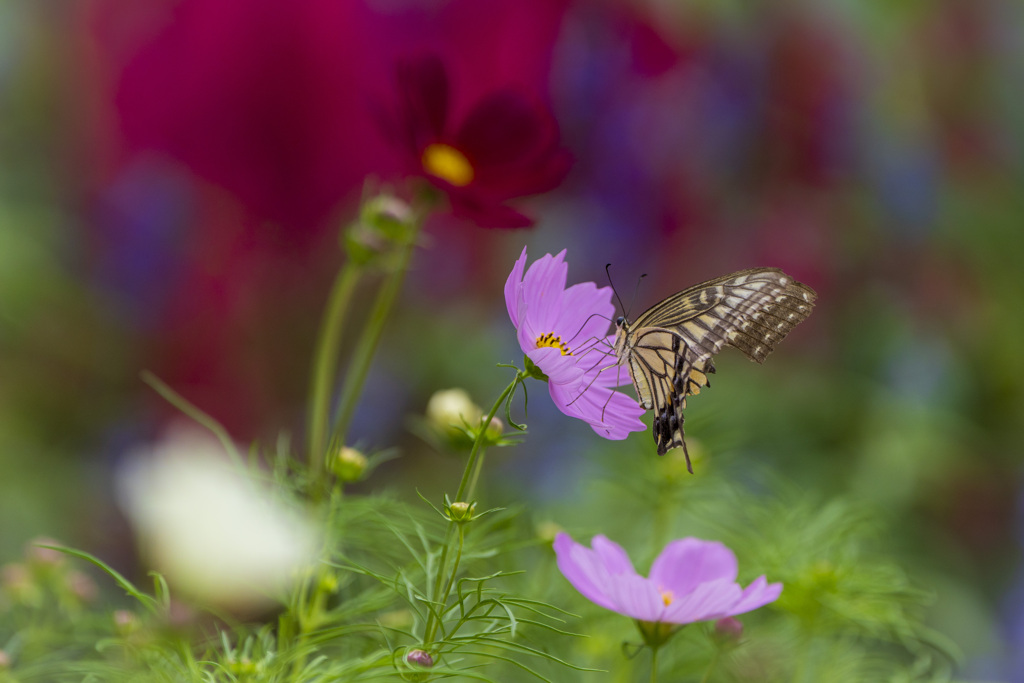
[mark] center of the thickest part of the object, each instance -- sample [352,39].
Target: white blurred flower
[214,533]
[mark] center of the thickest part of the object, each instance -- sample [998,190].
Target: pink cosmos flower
[564,332]
[691,580]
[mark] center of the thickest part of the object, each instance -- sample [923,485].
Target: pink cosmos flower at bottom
[691,580]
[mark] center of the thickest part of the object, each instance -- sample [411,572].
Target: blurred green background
[874,150]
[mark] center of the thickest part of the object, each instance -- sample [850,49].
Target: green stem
[367,345]
[308,616]
[325,365]
[475,461]
[654,665]
[711,667]
[468,484]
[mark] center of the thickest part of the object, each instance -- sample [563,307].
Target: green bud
[450,409]
[494,430]
[243,667]
[546,532]
[125,622]
[349,464]
[384,223]
[328,583]
[461,512]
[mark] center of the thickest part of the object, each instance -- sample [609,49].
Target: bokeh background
[174,174]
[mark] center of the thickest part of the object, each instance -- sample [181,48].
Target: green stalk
[475,461]
[325,365]
[654,665]
[470,474]
[307,617]
[711,667]
[367,345]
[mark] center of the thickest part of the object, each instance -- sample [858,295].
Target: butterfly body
[669,347]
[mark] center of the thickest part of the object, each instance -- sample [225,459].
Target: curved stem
[325,366]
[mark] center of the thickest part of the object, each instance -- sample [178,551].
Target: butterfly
[669,347]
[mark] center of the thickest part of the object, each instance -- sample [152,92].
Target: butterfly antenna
[636,290]
[592,315]
[608,272]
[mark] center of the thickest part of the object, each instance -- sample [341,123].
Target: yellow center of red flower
[667,597]
[554,341]
[447,163]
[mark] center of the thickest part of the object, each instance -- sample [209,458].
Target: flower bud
[243,667]
[5,660]
[384,222]
[546,531]
[17,582]
[461,512]
[81,586]
[494,429]
[728,629]
[328,583]
[125,622]
[420,658]
[349,464]
[451,410]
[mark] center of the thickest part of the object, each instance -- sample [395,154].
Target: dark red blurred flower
[506,146]
[264,98]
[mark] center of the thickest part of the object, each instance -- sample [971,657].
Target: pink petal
[614,557]
[636,597]
[584,570]
[513,287]
[542,288]
[689,562]
[758,594]
[584,315]
[561,370]
[707,601]
[611,414]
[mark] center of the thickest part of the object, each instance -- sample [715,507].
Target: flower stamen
[447,163]
[667,597]
[554,341]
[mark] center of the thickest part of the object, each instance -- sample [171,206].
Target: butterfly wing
[670,346]
[752,310]
[662,367]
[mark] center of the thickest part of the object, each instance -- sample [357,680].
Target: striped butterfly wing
[669,347]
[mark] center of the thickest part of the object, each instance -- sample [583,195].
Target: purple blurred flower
[505,146]
[691,580]
[564,332]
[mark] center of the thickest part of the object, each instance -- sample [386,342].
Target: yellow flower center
[447,163]
[553,340]
[667,597]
